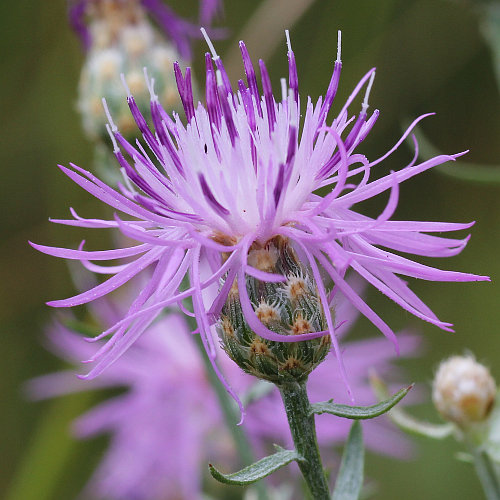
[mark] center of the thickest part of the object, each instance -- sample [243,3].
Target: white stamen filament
[284,90]
[215,56]
[339,45]
[124,83]
[113,140]
[114,128]
[288,43]
[150,82]
[127,181]
[210,44]
[368,90]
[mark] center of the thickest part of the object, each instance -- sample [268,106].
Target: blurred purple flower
[167,425]
[162,427]
[177,29]
[246,168]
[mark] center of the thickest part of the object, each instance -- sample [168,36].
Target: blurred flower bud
[123,41]
[464,390]
[287,308]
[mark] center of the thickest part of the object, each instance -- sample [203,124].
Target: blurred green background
[430,56]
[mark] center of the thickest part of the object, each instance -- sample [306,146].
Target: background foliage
[430,56]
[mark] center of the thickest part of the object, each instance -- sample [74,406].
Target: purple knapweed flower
[177,29]
[243,170]
[163,428]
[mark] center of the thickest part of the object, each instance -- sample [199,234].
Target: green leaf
[359,412]
[350,478]
[258,470]
[405,421]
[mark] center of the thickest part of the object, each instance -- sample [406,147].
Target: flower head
[244,169]
[464,390]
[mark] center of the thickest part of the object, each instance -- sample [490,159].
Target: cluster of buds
[123,41]
[291,307]
[464,391]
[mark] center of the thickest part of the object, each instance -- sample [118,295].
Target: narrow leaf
[359,412]
[350,478]
[258,470]
[463,170]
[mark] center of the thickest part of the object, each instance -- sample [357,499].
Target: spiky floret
[243,170]
[292,308]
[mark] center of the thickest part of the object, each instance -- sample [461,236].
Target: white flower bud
[463,390]
[124,41]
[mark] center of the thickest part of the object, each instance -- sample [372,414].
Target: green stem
[240,439]
[487,475]
[303,431]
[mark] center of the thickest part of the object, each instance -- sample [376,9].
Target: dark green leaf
[258,470]
[359,412]
[350,477]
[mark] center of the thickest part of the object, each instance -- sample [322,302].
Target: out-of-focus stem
[488,477]
[240,439]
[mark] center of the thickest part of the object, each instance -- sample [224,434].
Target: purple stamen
[247,100]
[251,78]
[227,113]
[222,211]
[292,145]
[184,87]
[143,126]
[293,80]
[212,95]
[328,167]
[268,95]
[164,137]
[225,79]
[278,187]
[330,93]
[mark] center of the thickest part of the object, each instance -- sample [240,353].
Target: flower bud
[288,308]
[123,41]
[464,390]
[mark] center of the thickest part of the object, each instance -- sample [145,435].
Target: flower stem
[240,439]
[303,431]
[487,476]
